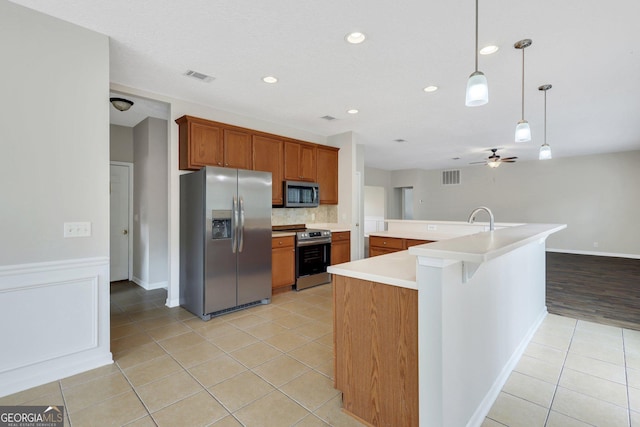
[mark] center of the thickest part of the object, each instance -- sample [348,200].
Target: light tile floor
[272,365]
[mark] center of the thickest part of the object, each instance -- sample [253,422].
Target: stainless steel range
[313,255]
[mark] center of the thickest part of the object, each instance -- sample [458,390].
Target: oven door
[312,260]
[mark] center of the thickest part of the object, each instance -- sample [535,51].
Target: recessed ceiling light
[353,111]
[270,79]
[488,50]
[355,37]
[430,88]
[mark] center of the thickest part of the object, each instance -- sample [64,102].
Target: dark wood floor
[599,289]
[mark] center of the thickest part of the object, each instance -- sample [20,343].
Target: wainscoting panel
[55,321]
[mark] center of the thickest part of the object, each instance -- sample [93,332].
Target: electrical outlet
[432,227]
[595,244]
[77,229]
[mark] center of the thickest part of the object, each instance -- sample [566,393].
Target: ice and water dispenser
[221,224]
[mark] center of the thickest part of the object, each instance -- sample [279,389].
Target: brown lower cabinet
[340,247]
[386,245]
[376,351]
[283,262]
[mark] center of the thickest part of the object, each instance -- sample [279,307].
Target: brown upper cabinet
[327,167]
[200,143]
[237,149]
[204,142]
[267,156]
[300,161]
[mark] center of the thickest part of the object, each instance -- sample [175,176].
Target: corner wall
[54,168]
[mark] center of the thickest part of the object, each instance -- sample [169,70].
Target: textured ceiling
[584,48]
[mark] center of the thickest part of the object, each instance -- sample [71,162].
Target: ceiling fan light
[523,131]
[477,90]
[545,152]
[493,163]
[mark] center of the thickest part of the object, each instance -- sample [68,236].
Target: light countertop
[397,269]
[282,233]
[333,227]
[417,235]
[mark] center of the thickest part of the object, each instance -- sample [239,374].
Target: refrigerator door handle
[234,226]
[241,226]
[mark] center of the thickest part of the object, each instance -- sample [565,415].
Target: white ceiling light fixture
[489,50]
[353,111]
[477,87]
[121,104]
[355,37]
[523,131]
[545,149]
[270,79]
[430,89]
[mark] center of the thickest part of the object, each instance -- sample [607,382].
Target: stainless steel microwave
[299,194]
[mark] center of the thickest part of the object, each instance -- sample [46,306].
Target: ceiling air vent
[199,76]
[328,118]
[451,177]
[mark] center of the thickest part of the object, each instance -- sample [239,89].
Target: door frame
[129,167]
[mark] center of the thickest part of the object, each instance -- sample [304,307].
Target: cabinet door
[205,146]
[327,169]
[414,242]
[283,262]
[237,149]
[376,250]
[299,161]
[340,247]
[267,154]
[386,242]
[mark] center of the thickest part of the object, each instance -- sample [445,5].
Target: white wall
[150,205]
[596,196]
[121,143]
[54,168]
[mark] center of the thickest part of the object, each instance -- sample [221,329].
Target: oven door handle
[315,242]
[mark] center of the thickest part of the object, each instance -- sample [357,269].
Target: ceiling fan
[494,160]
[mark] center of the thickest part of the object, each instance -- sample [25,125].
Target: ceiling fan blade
[507,161]
[509,158]
[478,163]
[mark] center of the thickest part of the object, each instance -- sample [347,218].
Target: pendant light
[523,131]
[477,88]
[545,150]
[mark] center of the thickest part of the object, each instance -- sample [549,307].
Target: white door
[119,235]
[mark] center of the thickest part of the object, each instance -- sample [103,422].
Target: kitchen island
[468,304]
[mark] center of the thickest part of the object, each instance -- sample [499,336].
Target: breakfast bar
[428,336]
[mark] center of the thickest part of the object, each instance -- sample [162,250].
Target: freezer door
[254,239]
[220,260]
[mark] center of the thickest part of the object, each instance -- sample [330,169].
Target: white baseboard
[149,286]
[608,254]
[56,317]
[483,409]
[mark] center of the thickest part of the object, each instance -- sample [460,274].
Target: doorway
[407,202]
[121,218]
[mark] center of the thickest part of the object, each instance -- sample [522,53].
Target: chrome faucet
[472,217]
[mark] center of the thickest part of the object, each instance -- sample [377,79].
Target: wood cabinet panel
[376,351]
[299,161]
[267,156]
[340,247]
[386,242]
[200,144]
[237,149]
[414,242]
[327,173]
[283,262]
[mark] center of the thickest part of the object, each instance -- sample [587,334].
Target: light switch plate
[432,227]
[77,229]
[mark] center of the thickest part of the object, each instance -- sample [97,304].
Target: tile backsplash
[321,214]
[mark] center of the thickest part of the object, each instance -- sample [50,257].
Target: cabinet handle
[280,243]
[384,243]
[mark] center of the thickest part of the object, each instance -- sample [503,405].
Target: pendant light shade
[477,88]
[545,149]
[523,131]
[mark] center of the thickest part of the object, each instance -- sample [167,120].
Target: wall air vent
[328,118]
[199,76]
[451,177]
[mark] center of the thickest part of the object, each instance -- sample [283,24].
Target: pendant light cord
[523,84]
[476,35]
[545,117]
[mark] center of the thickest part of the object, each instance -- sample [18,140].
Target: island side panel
[376,351]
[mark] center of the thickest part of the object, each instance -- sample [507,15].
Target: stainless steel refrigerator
[225,240]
